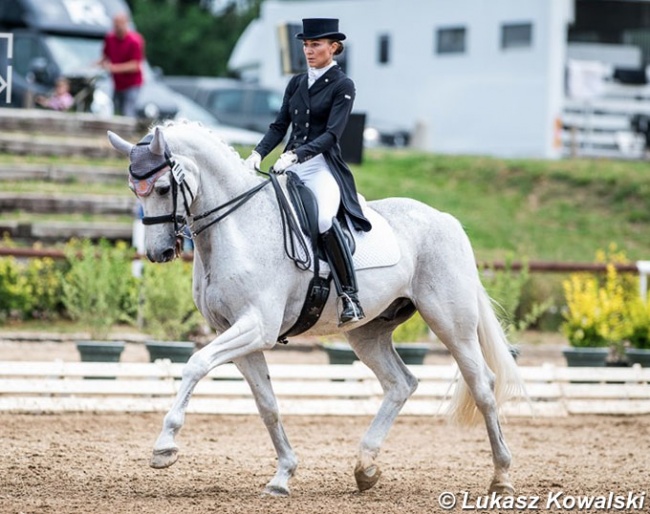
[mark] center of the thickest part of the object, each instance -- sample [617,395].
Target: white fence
[38,387]
[602,126]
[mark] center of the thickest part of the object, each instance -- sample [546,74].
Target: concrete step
[61,203]
[41,121]
[57,172]
[51,232]
[18,143]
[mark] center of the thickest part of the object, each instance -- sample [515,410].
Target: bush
[168,309]
[43,278]
[14,290]
[99,289]
[605,311]
[506,287]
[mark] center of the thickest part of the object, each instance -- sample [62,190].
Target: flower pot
[638,356]
[340,353]
[586,357]
[412,353]
[100,351]
[175,351]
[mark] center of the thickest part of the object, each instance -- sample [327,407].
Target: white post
[137,242]
[644,270]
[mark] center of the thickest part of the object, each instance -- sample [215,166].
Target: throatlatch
[336,249]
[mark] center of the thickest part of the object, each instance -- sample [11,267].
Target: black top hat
[320,28]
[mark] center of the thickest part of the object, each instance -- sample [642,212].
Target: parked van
[53,38]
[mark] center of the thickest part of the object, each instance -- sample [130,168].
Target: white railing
[602,126]
[304,389]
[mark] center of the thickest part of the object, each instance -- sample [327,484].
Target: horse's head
[165,185]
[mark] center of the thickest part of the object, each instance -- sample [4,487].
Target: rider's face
[319,52]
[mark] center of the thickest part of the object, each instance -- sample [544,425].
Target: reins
[294,239]
[295,245]
[238,201]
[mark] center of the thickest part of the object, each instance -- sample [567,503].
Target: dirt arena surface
[99,463]
[92,463]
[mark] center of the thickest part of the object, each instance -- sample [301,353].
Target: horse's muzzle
[165,256]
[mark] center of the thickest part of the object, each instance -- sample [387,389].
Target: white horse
[250,292]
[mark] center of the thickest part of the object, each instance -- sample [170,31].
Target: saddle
[306,210]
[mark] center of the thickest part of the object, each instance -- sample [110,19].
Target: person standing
[122,58]
[317,105]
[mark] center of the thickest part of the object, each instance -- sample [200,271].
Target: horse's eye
[163,190]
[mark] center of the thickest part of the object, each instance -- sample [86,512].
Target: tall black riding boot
[339,258]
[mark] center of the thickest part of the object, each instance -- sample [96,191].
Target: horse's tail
[497,353]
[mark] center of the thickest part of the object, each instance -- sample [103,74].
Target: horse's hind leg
[480,381]
[373,345]
[463,343]
[256,373]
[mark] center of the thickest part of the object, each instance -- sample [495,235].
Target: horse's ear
[157,145]
[119,144]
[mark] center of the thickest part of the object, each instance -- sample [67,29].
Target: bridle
[177,184]
[291,231]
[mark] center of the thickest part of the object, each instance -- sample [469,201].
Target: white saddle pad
[375,249]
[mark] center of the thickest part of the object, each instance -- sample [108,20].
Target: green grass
[535,209]
[562,210]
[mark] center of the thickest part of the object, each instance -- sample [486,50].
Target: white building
[467,76]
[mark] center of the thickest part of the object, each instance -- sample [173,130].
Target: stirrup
[351,311]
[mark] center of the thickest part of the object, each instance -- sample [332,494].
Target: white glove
[253,161]
[285,160]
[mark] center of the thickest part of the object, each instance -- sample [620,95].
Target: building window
[516,35]
[451,40]
[384,49]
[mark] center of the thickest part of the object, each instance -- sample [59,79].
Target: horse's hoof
[367,478]
[164,458]
[275,490]
[502,488]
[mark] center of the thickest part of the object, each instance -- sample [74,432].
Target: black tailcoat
[317,116]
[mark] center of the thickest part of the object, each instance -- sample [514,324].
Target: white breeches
[316,175]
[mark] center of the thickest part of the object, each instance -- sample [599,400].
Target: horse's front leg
[253,367]
[244,337]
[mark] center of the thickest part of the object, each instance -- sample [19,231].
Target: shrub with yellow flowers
[607,311]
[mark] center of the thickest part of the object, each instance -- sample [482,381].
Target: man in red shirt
[123,56]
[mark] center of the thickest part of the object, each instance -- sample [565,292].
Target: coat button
[307,124]
[304,138]
[307,111]
[295,111]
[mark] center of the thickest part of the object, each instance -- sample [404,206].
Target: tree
[183,37]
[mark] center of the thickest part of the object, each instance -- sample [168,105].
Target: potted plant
[98,291]
[339,352]
[597,319]
[407,339]
[168,310]
[638,350]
